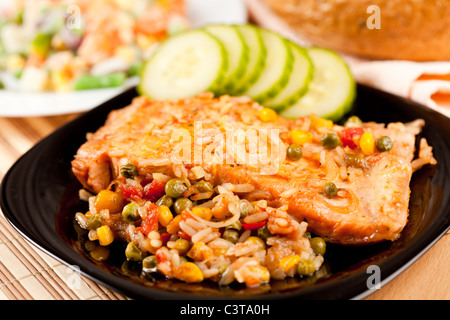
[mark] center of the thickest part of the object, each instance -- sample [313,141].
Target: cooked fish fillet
[373,194]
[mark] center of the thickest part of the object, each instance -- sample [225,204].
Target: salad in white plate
[64,46]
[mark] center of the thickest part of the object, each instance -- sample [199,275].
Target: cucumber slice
[277,68]
[256,59]
[237,53]
[297,86]
[330,93]
[184,65]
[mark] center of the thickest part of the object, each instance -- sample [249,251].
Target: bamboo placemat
[27,273]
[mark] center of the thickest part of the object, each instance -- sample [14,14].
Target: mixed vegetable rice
[191,230]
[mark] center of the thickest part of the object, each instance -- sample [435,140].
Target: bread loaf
[416,30]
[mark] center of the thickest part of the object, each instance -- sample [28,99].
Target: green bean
[87,81]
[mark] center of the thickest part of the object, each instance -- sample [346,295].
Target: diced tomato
[130,192]
[151,221]
[348,136]
[165,238]
[160,255]
[154,190]
[184,235]
[253,226]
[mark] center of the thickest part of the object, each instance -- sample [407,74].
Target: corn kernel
[110,200]
[287,263]
[202,212]
[174,225]
[318,122]
[259,274]
[367,144]
[268,115]
[300,137]
[15,62]
[188,272]
[200,251]
[258,241]
[127,53]
[105,235]
[165,215]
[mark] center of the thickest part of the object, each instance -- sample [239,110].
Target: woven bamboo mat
[27,273]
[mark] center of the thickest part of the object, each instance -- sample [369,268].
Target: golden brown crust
[409,30]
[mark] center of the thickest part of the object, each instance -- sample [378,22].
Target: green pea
[182,245]
[204,186]
[131,212]
[182,204]
[353,121]
[330,140]
[94,222]
[306,267]
[384,143]
[231,235]
[175,188]
[264,232]
[318,245]
[129,171]
[150,264]
[236,226]
[354,160]
[246,207]
[330,190]
[294,152]
[133,253]
[165,200]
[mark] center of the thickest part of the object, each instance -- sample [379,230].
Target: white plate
[24,104]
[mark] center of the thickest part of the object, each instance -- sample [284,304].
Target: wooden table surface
[27,273]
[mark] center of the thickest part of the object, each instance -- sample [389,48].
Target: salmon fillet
[373,193]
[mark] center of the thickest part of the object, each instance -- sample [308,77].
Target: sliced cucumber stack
[251,61]
[237,53]
[301,75]
[331,92]
[277,68]
[256,59]
[184,65]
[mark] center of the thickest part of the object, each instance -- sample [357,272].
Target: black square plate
[39,196]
